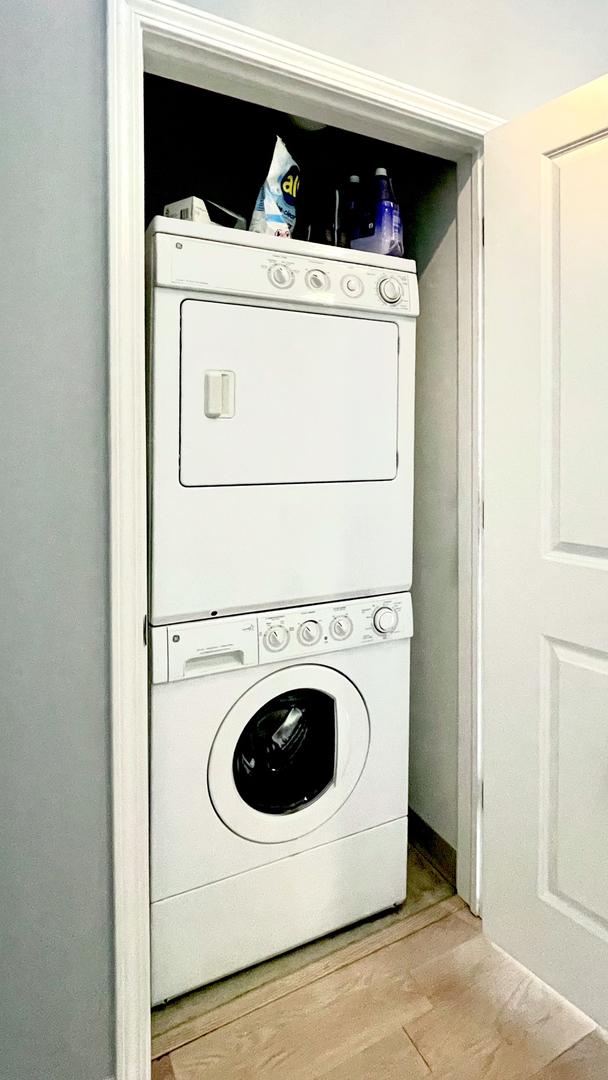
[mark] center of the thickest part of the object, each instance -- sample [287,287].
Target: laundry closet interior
[199,142]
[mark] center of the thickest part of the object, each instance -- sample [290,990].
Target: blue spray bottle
[387,237]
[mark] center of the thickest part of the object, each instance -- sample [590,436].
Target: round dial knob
[385,620]
[317,280]
[276,638]
[309,632]
[390,290]
[341,627]
[281,276]
[352,285]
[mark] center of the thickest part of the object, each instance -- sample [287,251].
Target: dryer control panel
[294,272]
[188,650]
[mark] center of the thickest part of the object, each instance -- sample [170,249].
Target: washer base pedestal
[207,933]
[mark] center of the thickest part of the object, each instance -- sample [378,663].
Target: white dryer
[281,413]
[279,746]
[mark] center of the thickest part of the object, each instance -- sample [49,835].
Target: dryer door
[289,753]
[270,396]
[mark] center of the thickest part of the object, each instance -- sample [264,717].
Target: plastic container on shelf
[350,212]
[387,235]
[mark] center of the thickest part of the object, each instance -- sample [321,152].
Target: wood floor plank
[162,1069]
[392,1058]
[437,938]
[194,1026]
[321,1025]
[491,1020]
[313,1030]
[472,974]
[586,1060]
[425,888]
[324,1023]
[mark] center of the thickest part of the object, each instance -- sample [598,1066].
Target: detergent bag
[275,208]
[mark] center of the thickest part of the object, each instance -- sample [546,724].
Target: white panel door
[545,896]
[274,397]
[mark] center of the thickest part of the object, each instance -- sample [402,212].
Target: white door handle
[219,394]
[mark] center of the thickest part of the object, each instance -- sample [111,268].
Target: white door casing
[180,42]
[545,649]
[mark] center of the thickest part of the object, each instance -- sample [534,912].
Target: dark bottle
[350,215]
[324,217]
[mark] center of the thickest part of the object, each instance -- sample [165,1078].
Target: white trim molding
[209,51]
[171,39]
[470,413]
[128,545]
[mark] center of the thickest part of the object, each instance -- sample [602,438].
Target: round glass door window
[286,755]
[289,753]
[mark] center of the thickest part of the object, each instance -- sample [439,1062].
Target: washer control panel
[186,650]
[342,625]
[321,281]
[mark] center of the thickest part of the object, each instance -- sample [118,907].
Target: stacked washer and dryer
[281,420]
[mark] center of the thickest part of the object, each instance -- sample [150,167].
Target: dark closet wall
[216,147]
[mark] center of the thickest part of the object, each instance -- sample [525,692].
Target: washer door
[289,753]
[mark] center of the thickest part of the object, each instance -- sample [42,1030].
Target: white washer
[278,782]
[281,415]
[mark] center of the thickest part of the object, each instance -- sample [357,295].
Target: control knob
[276,638]
[341,627]
[317,280]
[390,290]
[385,620]
[281,275]
[352,285]
[309,632]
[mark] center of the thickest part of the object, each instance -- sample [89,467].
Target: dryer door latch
[219,395]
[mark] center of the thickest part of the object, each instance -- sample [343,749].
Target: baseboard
[437,850]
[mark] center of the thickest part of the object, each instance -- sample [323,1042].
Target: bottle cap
[381,172]
[354,179]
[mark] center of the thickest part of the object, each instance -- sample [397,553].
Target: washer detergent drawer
[270,396]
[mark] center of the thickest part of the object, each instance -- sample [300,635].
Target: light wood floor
[421,996]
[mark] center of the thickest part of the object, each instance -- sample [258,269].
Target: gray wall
[55,919]
[434,680]
[501,56]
